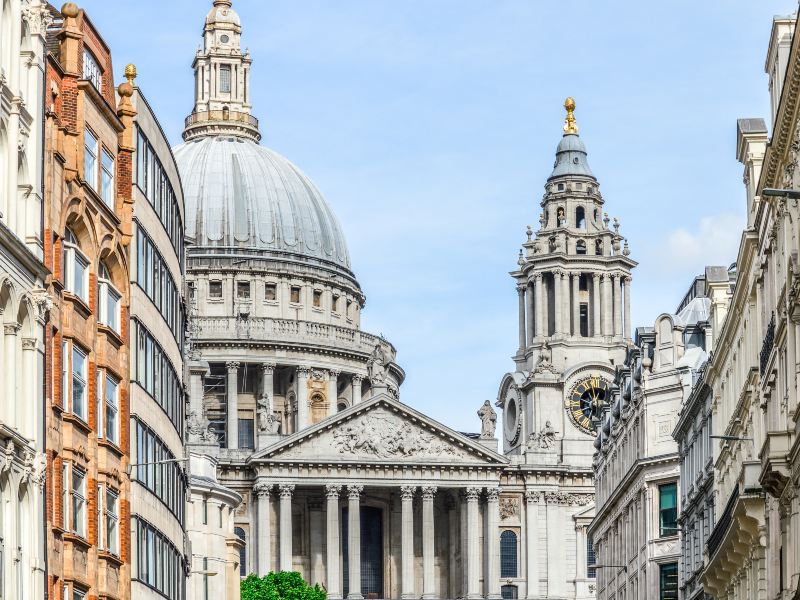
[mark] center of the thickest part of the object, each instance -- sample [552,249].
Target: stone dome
[222,12]
[571,157]
[244,198]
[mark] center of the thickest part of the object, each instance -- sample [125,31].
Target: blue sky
[431,128]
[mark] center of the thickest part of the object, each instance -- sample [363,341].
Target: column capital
[492,494]
[28,343]
[407,492]
[333,373]
[357,378]
[268,367]
[626,279]
[537,276]
[521,287]
[303,370]
[472,493]
[263,488]
[354,491]
[11,328]
[534,497]
[332,490]
[428,492]
[232,366]
[558,273]
[286,490]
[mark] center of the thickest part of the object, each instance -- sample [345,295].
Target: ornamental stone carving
[262,488]
[380,437]
[492,494]
[545,357]
[407,492]
[354,491]
[534,497]
[509,507]
[377,366]
[232,366]
[199,429]
[428,492]
[567,499]
[472,494]
[544,439]
[332,491]
[286,490]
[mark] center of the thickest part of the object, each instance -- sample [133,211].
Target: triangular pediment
[380,430]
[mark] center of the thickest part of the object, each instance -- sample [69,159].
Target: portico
[380,502]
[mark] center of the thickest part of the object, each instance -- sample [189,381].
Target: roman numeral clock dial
[585,404]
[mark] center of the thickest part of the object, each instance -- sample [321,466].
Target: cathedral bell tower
[222,79]
[573,283]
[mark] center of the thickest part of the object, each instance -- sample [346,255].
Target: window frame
[106,289]
[77,502]
[225,86]
[664,531]
[73,255]
[108,407]
[107,178]
[506,574]
[69,350]
[91,70]
[91,149]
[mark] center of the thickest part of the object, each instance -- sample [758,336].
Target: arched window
[598,247]
[242,551]
[580,218]
[509,592]
[580,247]
[108,300]
[76,268]
[508,554]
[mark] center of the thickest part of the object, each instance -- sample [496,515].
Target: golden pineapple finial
[570,126]
[130,72]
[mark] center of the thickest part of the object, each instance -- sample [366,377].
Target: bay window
[76,268]
[108,300]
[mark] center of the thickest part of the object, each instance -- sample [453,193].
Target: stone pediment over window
[380,430]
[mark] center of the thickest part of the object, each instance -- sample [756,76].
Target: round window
[511,419]
[224,39]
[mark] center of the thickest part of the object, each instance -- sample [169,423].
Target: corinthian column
[493,542]
[333,391]
[558,300]
[596,320]
[521,317]
[617,305]
[576,304]
[286,491]
[627,303]
[302,397]
[332,521]
[356,389]
[262,491]
[407,542]
[233,404]
[471,496]
[532,542]
[607,310]
[428,583]
[541,309]
[354,540]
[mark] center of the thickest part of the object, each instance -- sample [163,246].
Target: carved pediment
[381,430]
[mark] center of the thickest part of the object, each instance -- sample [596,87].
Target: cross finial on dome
[227,3]
[570,126]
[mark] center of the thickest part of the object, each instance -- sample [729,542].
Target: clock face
[586,402]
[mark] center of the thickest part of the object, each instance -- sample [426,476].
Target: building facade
[635,531]
[157,331]
[89,146]
[23,299]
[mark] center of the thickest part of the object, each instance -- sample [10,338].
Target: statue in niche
[488,418]
[263,412]
[561,217]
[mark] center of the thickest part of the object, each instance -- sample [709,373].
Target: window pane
[111,409]
[225,78]
[668,582]
[90,158]
[508,554]
[79,383]
[668,509]
[107,179]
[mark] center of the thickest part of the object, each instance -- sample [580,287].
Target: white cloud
[715,241]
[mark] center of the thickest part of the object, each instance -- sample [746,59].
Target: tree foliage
[283,585]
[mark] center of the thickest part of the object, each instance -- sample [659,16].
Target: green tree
[283,585]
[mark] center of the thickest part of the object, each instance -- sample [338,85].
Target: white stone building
[300,408]
[23,301]
[635,532]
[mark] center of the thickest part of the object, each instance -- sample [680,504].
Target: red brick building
[88,209]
